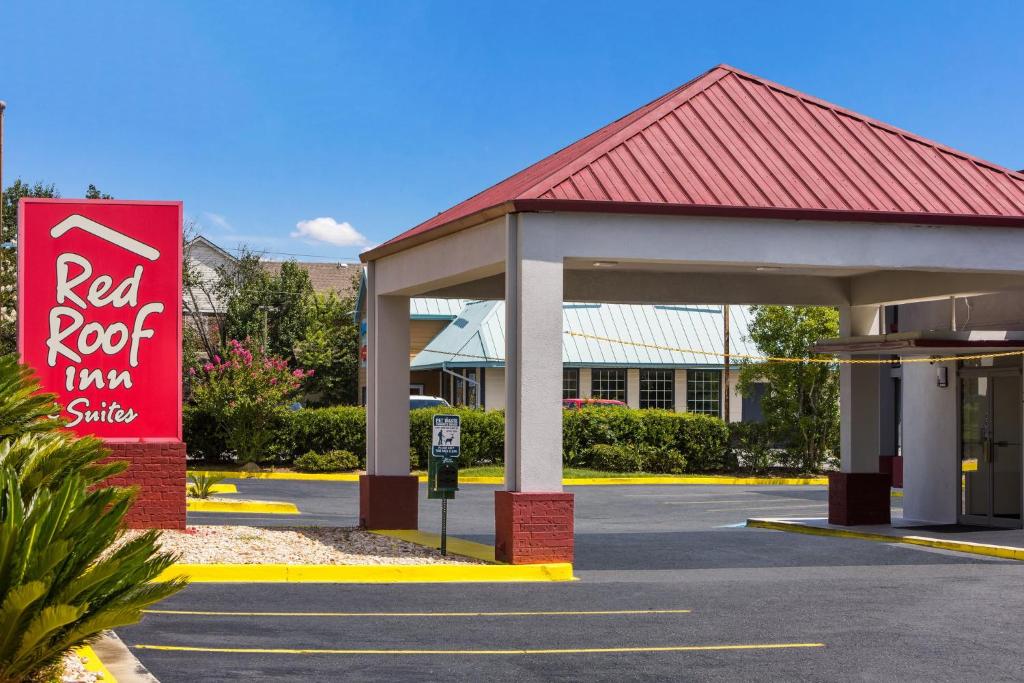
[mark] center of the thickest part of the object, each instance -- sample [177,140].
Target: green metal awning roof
[476,338]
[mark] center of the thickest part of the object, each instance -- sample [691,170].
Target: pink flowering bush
[245,394]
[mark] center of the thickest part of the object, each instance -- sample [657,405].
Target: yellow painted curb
[456,546]
[986,549]
[583,481]
[391,573]
[94,664]
[253,506]
[218,488]
[292,476]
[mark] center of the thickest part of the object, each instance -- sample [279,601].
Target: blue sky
[265,116]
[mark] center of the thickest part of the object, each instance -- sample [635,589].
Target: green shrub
[595,425]
[339,428]
[66,573]
[331,461]
[202,437]
[665,461]
[752,444]
[704,441]
[246,393]
[616,457]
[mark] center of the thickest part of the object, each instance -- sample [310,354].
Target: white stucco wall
[679,389]
[930,445]
[735,397]
[633,387]
[494,388]
[585,379]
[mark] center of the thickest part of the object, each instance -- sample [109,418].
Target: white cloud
[218,221]
[330,231]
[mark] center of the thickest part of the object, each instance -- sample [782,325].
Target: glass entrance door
[990,453]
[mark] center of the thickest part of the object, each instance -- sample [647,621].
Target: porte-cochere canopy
[730,189]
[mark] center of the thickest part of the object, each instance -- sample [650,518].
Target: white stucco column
[533,366]
[679,389]
[633,387]
[585,386]
[387,389]
[931,466]
[858,396]
[388,494]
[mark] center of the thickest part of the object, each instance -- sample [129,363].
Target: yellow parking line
[545,651]
[585,613]
[768,507]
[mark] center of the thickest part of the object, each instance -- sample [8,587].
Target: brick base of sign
[158,470]
[388,502]
[893,466]
[530,528]
[856,498]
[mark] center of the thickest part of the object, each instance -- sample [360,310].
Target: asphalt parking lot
[670,587]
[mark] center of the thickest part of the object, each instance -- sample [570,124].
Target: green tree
[243,288]
[801,403]
[9,258]
[92,193]
[330,347]
[290,306]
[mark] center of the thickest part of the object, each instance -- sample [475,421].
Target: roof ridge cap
[871,121]
[657,105]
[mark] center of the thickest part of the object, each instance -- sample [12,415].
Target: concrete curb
[254,506]
[122,666]
[985,549]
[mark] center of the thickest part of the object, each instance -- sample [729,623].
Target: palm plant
[66,571]
[201,484]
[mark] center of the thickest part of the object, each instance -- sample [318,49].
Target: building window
[657,389]
[608,384]
[570,383]
[462,387]
[704,392]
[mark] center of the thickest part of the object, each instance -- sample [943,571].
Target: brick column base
[858,498]
[158,470]
[893,466]
[388,502]
[530,528]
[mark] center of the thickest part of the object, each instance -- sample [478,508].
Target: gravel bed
[73,670]
[296,545]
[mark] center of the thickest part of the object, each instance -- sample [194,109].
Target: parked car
[417,401]
[577,403]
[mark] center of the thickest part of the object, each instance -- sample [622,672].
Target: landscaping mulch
[297,545]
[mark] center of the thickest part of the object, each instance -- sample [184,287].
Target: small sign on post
[443,468]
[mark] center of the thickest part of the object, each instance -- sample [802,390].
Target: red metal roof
[730,143]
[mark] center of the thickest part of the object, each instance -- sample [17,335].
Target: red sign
[99,312]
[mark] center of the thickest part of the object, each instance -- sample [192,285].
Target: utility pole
[728,358]
[3,105]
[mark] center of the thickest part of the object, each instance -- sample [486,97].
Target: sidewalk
[1004,543]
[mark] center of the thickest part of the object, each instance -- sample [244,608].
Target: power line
[352,260]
